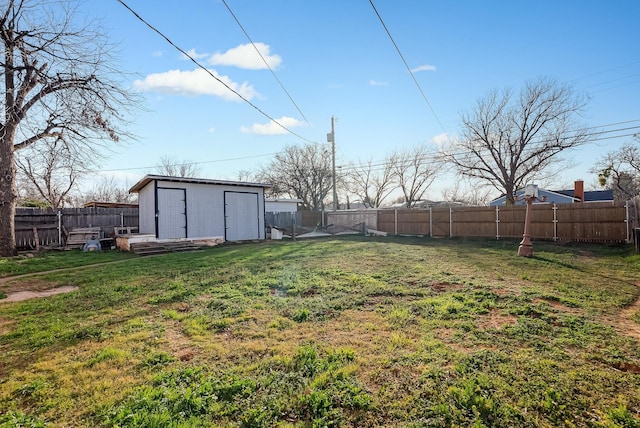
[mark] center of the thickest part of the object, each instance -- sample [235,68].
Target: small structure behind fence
[36,227]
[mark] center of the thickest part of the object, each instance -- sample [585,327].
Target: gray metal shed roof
[149,178]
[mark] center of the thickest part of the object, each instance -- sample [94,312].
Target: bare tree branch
[176,168]
[62,88]
[414,171]
[301,172]
[371,183]
[505,141]
[619,170]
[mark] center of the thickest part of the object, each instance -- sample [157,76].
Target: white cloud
[376,83]
[272,128]
[245,56]
[425,67]
[157,54]
[442,139]
[193,54]
[194,83]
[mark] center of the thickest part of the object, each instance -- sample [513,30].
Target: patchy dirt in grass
[6,325]
[496,320]
[627,367]
[178,344]
[441,287]
[624,322]
[559,306]
[19,296]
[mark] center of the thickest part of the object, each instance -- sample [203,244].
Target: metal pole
[333,154]
[59,228]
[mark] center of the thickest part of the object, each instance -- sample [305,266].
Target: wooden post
[36,238]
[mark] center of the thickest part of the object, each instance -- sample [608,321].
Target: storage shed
[197,208]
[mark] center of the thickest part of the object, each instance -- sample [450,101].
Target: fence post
[59,228]
[395,215]
[555,222]
[430,222]
[497,223]
[121,219]
[36,238]
[450,222]
[626,206]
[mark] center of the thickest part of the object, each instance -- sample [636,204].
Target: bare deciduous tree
[370,182]
[619,170]
[59,84]
[176,168]
[509,140]
[301,172]
[109,190]
[248,176]
[51,169]
[472,194]
[414,170]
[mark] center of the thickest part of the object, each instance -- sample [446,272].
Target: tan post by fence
[530,194]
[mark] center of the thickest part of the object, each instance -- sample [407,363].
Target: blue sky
[334,58]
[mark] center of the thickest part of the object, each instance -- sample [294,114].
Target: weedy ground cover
[337,332]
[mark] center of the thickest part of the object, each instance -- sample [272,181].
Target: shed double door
[241,217]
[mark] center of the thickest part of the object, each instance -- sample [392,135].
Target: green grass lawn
[333,332]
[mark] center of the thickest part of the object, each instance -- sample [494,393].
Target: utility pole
[331,138]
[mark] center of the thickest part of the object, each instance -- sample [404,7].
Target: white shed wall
[147,210]
[205,207]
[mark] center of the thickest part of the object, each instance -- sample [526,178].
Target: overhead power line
[407,66]
[384,163]
[182,51]
[265,62]
[190,163]
[602,136]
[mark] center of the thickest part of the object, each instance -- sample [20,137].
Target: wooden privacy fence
[589,222]
[37,226]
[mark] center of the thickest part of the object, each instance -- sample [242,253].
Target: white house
[196,208]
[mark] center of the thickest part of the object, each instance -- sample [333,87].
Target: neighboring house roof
[149,178]
[593,195]
[558,197]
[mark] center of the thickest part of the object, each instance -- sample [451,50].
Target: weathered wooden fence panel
[413,222]
[387,221]
[592,222]
[47,222]
[473,221]
[511,221]
[589,222]
[440,222]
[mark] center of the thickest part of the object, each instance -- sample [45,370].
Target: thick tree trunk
[8,196]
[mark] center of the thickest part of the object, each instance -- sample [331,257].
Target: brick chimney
[578,190]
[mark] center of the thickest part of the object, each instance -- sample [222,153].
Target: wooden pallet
[150,248]
[78,237]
